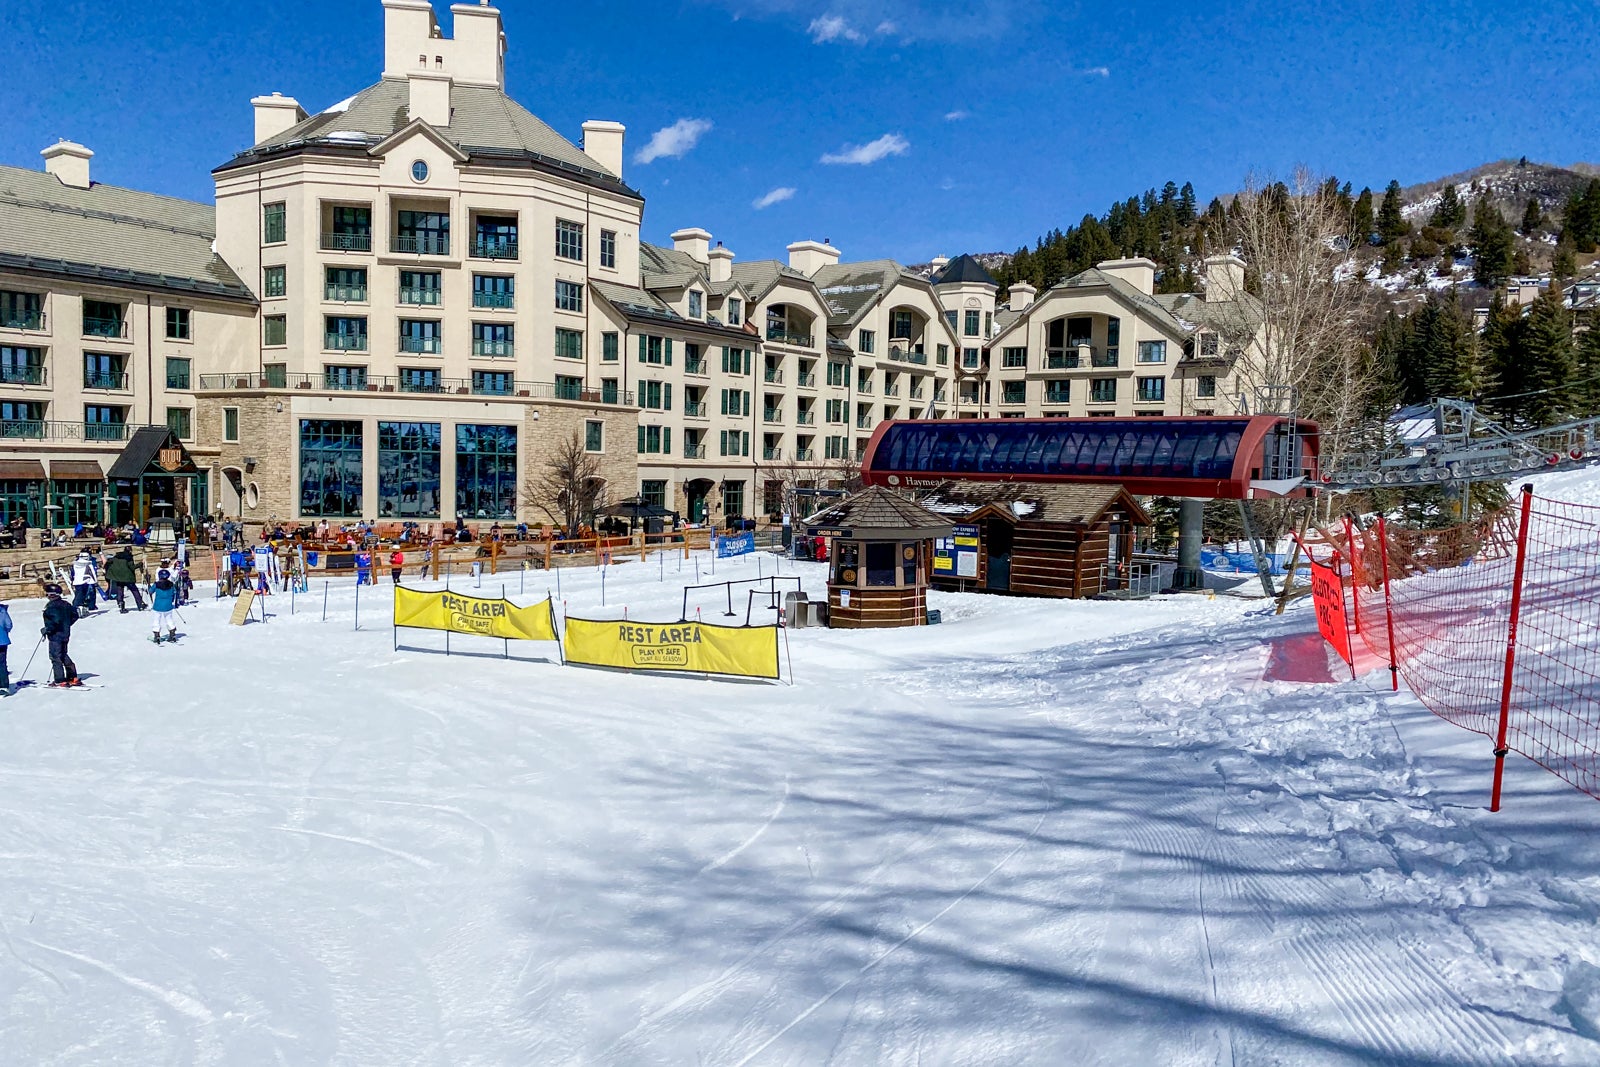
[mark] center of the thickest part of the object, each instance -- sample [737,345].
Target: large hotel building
[401,305]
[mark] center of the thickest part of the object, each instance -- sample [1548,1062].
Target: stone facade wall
[266,435]
[546,425]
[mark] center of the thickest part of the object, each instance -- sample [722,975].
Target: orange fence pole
[1500,748]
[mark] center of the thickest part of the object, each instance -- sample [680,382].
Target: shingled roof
[109,234]
[852,289]
[1025,501]
[876,512]
[485,123]
[963,268]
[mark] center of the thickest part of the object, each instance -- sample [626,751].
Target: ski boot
[156,637]
[172,636]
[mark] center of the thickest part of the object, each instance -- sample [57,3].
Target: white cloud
[956,116]
[777,196]
[826,28]
[1097,72]
[890,144]
[675,141]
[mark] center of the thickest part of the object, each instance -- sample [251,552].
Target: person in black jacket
[58,619]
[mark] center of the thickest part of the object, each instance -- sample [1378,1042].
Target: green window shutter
[666,440]
[746,442]
[666,348]
[644,348]
[666,396]
[746,411]
[641,439]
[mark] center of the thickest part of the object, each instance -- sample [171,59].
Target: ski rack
[1467,447]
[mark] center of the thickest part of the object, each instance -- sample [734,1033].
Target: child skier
[363,568]
[5,647]
[163,601]
[58,619]
[397,563]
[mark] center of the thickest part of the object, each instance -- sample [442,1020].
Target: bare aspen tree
[568,486]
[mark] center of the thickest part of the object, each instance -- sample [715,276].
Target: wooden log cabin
[880,559]
[1056,540]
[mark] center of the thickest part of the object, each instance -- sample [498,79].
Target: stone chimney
[69,162]
[721,265]
[275,114]
[808,257]
[1139,272]
[694,243]
[602,142]
[1224,277]
[1022,296]
[430,97]
[479,46]
[410,34]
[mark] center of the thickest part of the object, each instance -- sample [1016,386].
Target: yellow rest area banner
[474,615]
[689,647]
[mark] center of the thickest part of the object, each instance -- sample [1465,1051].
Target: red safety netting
[1444,619]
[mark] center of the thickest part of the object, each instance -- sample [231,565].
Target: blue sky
[901,128]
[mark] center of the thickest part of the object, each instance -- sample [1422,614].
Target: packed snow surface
[1053,833]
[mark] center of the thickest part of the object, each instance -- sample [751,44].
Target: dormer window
[735,311]
[1208,344]
[696,304]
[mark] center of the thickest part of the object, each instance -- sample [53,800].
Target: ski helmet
[52,589]
[163,575]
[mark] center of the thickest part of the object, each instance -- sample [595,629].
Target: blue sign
[956,556]
[742,545]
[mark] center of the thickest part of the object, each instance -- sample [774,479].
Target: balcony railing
[1056,397]
[494,248]
[772,455]
[1059,360]
[345,342]
[806,380]
[805,455]
[253,382]
[771,415]
[865,422]
[1013,399]
[345,294]
[106,380]
[694,451]
[891,390]
[906,354]
[864,387]
[480,347]
[430,346]
[1109,359]
[806,418]
[347,242]
[421,244]
[493,300]
[22,376]
[104,327]
[179,381]
[416,295]
[44,430]
[790,337]
[916,393]
[32,319]
[695,366]
[774,376]
[694,411]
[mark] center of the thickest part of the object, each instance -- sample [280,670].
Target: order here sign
[690,647]
[1327,594]
[474,615]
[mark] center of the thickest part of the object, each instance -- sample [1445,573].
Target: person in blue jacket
[163,603]
[58,619]
[5,647]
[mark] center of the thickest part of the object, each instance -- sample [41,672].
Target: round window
[419,171]
[252,496]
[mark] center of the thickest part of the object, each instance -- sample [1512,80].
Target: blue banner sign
[741,545]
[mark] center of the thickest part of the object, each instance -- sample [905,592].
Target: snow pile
[1041,833]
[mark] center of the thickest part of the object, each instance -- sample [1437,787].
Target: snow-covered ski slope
[1041,833]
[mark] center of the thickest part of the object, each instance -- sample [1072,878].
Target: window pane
[408,470]
[330,468]
[486,472]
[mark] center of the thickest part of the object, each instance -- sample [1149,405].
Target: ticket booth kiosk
[880,562]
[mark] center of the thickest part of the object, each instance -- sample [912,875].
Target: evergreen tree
[1586,389]
[1582,223]
[1532,217]
[1450,212]
[1362,220]
[1186,204]
[1392,224]
[1493,246]
[1453,364]
[1501,342]
[1565,263]
[1547,352]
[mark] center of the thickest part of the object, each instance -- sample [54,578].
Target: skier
[58,619]
[163,601]
[5,647]
[363,568]
[84,583]
[397,563]
[123,580]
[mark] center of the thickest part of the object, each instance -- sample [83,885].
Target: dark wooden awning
[152,451]
[21,470]
[77,470]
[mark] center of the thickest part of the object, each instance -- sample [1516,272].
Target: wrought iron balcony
[417,295]
[806,380]
[694,451]
[494,248]
[96,326]
[429,346]
[345,294]
[695,366]
[772,455]
[22,319]
[774,376]
[333,241]
[22,376]
[790,337]
[482,299]
[481,347]
[771,415]
[179,381]
[420,244]
[105,380]
[806,418]
[893,389]
[864,386]
[805,455]
[902,353]
[1056,359]
[345,342]
[693,410]
[337,382]
[419,384]
[1057,396]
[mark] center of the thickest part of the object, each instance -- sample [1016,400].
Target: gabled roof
[1082,505]
[853,289]
[140,454]
[879,512]
[109,234]
[760,276]
[485,123]
[638,305]
[964,269]
[656,259]
[1230,318]
[1129,294]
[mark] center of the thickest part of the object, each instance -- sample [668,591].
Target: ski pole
[39,644]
